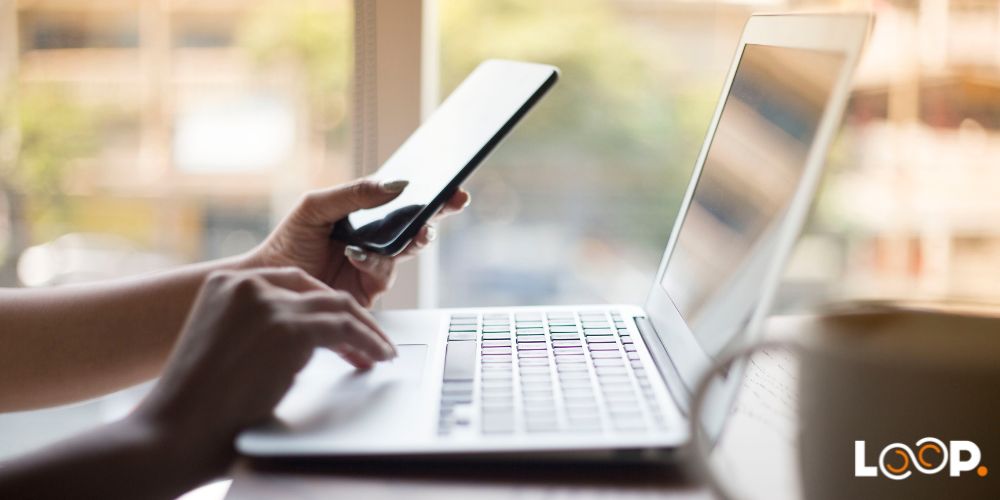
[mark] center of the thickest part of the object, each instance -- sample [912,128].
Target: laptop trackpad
[332,398]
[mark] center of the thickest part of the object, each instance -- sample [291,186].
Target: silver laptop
[608,379]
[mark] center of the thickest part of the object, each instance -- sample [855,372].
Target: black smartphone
[445,149]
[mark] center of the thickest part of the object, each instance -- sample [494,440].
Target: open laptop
[608,379]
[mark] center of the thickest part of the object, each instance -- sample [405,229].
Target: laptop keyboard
[544,372]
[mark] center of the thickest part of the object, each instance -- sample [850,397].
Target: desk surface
[479,481]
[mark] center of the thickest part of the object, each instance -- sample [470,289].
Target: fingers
[356,358]
[426,235]
[331,302]
[455,204]
[327,206]
[335,331]
[291,279]
[378,268]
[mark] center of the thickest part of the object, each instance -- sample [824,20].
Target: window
[141,135]
[577,204]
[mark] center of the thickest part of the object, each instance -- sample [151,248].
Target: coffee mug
[895,401]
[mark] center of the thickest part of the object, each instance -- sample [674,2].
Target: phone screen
[453,140]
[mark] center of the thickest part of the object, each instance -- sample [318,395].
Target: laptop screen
[753,166]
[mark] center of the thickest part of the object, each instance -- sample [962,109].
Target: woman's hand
[303,239]
[248,334]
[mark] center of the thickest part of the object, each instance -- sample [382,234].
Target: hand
[303,239]
[248,334]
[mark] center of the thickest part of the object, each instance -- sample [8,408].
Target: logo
[897,460]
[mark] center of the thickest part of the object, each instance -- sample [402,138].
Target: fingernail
[432,233]
[394,186]
[388,352]
[356,254]
[468,201]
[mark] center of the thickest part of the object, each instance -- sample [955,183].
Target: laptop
[608,380]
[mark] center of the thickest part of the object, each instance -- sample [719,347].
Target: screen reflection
[753,167]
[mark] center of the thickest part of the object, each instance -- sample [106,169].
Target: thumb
[326,206]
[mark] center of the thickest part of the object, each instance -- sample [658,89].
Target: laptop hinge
[665,365]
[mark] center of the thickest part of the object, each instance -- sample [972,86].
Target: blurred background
[137,135]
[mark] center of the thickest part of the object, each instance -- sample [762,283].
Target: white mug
[895,401]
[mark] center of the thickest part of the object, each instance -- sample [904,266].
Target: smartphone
[444,151]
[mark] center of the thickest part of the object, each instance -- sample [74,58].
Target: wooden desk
[477,481]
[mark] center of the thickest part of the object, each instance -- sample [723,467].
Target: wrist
[190,454]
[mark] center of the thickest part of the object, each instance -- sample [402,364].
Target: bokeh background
[137,135]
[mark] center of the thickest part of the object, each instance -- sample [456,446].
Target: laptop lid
[751,190]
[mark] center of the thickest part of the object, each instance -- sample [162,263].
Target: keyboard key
[565,374]
[528,316]
[496,343]
[495,329]
[524,362]
[566,343]
[609,362]
[610,370]
[595,324]
[567,336]
[497,403]
[562,325]
[457,386]
[498,424]
[579,383]
[562,351]
[566,358]
[635,362]
[456,398]
[629,347]
[532,354]
[497,375]
[462,336]
[462,329]
[597,333]
[528,324]
[488,351]
[603,346]
[496,322]
[531,346]
[632,355]
[460,361]
[605,354]
[530,331]
[530,338]
[534,370]
[563,329]
[542,426]
[577,391]
[572,366]
[496,336]
[535,377]
[504,358]
[505,367]
[601,340]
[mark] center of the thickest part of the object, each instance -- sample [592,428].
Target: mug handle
[701,447]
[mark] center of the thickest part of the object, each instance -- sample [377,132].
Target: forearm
[126,459]
[68,343]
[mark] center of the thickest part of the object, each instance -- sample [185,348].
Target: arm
[247,336]
[68,343]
